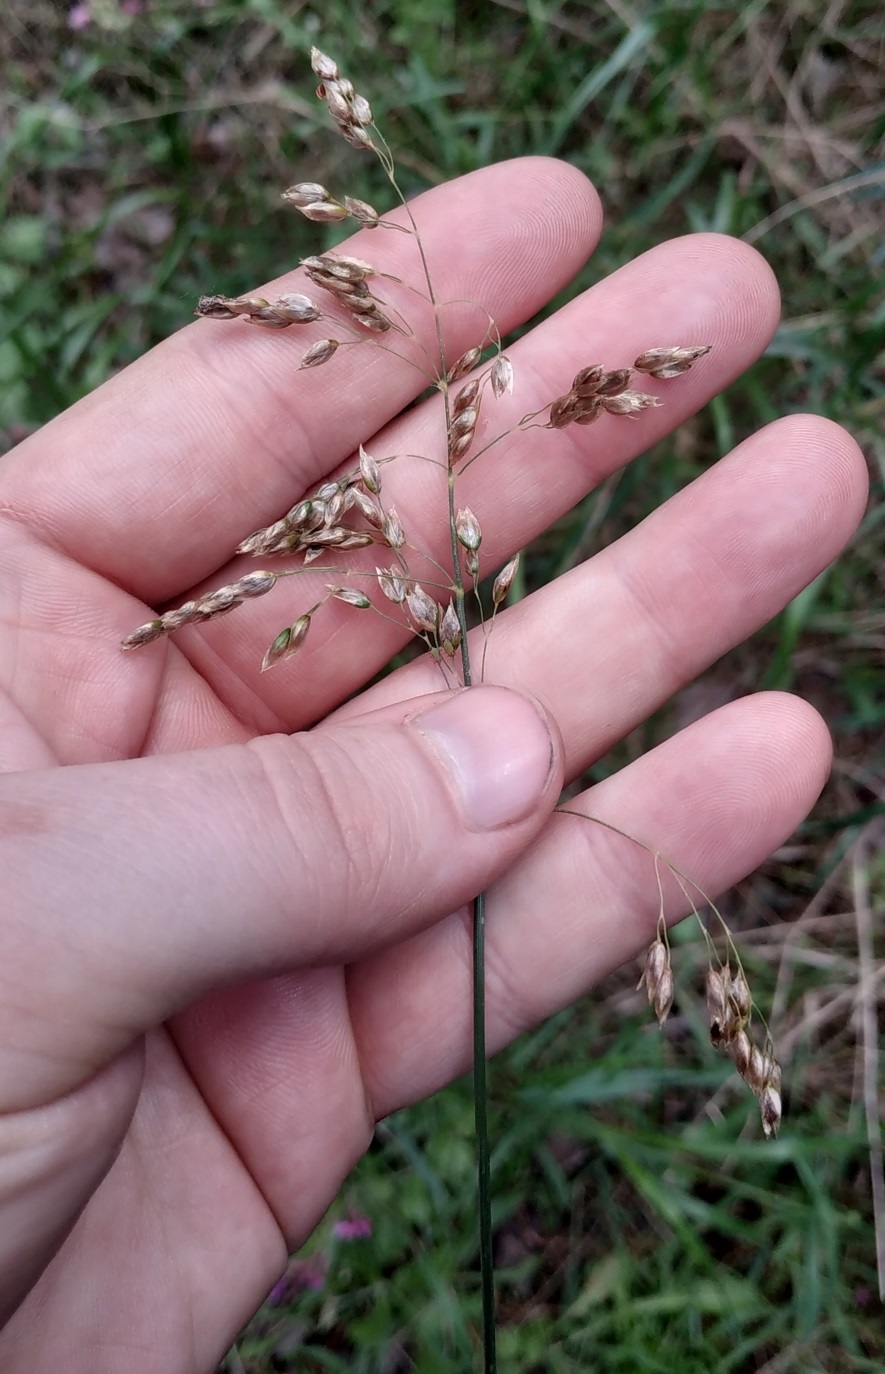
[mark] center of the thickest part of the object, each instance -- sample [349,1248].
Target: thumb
[132,888]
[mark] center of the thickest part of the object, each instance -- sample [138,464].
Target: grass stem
[483,1153]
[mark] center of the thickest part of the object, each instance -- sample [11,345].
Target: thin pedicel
[345,307]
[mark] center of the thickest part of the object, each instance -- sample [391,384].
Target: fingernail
[498,750]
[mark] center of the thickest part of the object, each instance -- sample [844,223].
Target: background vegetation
[642,1223]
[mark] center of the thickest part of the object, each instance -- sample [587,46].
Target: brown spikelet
[739,998]
[459,446]
[216,308]
[368,315]
[771,1071]
[464,421]
[657,978]
[755,1074]
[287,642]
[669,362]
[305,193]
[450,631]
[587,381]
[501,376]
[335,506]
[369,472]
[466,397]
[288,310]
[467,529]
[740,1050]
[655,962]
[393,532]
[217,602]
[628,402]
[324,212]
[338,265]
[614,382]
[564,411]
[364,213]
[392,585]
[663,999]
[590,410]
[229,307]
[504,581]
[368,507]
[145,634]
[333,537]
[422,608]
[770,1111]
[319,353]
[466,363]
[357,539]
[715,993]
[326,68]
[351,596]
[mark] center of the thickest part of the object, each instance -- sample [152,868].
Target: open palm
[225,951]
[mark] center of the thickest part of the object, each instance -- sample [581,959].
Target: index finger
[153,479]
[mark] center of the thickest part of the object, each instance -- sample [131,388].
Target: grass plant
[637,1225]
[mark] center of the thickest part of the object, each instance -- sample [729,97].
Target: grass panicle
[347,513]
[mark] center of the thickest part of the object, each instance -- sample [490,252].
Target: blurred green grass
[640,1226]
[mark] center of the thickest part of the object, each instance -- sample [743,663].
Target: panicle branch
[203,608]
[729,1010]
[293,308]
[319,205]
[595,391]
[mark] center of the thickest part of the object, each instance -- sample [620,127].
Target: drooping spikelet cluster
[595,392]
[346,513]
[350,111]
[344,278]
[729,1005]
[729,1008]
[202,608]
[328,519]
[292,308]
[341,515]
[465,404]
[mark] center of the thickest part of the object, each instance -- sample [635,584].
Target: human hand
[224,951]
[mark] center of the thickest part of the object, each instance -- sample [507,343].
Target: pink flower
[312,1274]
[79,17]
[278,1293]
[301,1275]
[352,1228]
